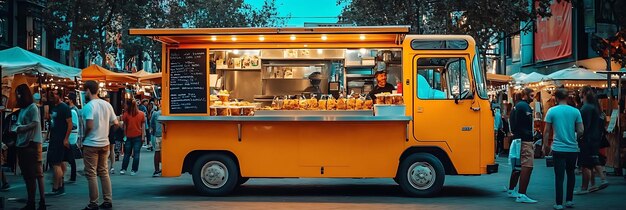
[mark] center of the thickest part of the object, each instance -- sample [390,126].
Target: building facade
[563,40]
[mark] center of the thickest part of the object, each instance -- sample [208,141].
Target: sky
[303,11]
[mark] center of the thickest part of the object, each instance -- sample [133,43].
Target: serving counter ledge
[329,118]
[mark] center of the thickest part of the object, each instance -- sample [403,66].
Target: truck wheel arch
[191,158]
[435,151]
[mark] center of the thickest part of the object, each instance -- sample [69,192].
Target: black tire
[242,180]
[220,164]
[429,175]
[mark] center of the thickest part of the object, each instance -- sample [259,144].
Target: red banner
[553,39]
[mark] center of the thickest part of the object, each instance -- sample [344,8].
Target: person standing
[76,130]
[134,127]
[156,128]
[497,121]
[522,128]
[143,106]
[59,146]
[28,143]
[567,123]
[98,115]
[589,157]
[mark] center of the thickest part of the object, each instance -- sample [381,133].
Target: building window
[516,52]
[4,22]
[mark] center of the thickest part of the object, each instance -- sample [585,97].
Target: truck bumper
[492,168]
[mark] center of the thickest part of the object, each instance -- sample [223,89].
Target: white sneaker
[112,170]
[558,207]
[132,173]
[569,204]
[122,172]
[522,198]
[581,192]
[512,193]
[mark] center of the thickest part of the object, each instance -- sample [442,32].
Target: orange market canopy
[498,78]
[146,76]
[95,72]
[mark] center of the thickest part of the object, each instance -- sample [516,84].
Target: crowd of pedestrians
[93,133]
[573,137]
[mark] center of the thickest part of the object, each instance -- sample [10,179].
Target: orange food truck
[241,103]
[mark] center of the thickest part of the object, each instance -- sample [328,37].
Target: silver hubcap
[214,174]
[421,175]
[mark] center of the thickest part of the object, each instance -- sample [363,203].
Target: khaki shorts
[29,160]
[157,143]
[527,154]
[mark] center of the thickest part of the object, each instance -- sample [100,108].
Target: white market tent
[575,73]
[17,60]
[517,76]
[531,78]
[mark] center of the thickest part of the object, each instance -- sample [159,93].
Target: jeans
[72,161]
[96,161]
[564,163]
[132,145]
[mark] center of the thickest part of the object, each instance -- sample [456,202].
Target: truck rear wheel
[421,175]
[215,174]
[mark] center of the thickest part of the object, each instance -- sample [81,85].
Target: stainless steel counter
[287,118]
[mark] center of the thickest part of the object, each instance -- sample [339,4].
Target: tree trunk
[73,34]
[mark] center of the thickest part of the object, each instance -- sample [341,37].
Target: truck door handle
[239,128]
[475,109]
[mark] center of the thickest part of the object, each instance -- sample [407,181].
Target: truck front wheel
[215,174]
[421,175]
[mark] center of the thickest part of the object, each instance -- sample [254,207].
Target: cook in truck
[381,85]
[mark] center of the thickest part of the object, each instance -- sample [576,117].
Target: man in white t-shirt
[99,116]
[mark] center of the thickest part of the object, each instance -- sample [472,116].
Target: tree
[488,21]
[391,12]
[101,26]
[83,22]
[613,47]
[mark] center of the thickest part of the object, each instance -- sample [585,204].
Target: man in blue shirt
[156,128]
[567,124]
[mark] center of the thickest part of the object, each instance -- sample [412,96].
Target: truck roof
[365,34]
[390,36]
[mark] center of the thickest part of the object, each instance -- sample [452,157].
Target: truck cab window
[442,78]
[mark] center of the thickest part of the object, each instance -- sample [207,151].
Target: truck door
[443,108]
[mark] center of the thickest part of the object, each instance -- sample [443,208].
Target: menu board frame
[166,93]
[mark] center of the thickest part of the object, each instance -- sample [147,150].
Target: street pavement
[460,192]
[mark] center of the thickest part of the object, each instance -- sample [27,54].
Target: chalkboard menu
[188,85]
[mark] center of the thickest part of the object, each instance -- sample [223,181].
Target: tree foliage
[485,20]
[101,26]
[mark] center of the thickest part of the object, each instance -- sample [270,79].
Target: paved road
[460,192]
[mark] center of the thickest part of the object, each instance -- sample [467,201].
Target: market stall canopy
[95,72]
[575,73]
[17,60]
[498,78]
[530,78]
[143,75]
[517,76]
[314,36]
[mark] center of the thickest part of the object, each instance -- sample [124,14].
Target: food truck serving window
[439,44]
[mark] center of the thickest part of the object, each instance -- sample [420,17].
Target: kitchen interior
[260,75]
